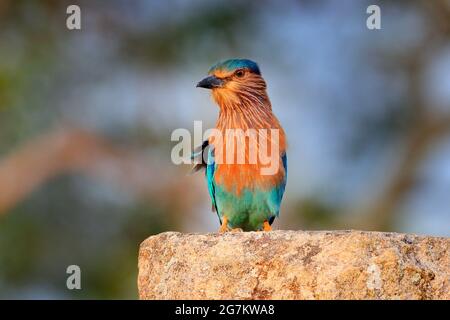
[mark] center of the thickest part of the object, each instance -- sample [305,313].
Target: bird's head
[235,82]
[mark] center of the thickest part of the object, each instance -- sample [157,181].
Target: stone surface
[294,265]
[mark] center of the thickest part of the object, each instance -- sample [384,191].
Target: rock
[294,265]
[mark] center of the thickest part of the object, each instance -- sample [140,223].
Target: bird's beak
[210,82]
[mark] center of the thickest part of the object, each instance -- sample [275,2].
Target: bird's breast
[248,151]
[235,178]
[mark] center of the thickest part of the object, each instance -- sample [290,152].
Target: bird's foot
[237,230]
[267,226]
[224,227]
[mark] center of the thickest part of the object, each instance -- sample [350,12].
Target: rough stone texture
[294,265]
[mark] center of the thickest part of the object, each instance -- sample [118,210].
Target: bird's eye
[240,73]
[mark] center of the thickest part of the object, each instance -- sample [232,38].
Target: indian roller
[243,197]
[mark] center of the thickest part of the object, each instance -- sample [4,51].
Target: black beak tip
[210,83]
[204,84]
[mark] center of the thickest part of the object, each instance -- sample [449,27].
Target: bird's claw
[224,227]
[267,226]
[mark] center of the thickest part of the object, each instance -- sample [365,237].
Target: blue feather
[234,64]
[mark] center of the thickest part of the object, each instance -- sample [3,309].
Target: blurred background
[86,118]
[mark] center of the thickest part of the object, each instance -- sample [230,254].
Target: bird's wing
[210,169]
[199,156]
[283,184]
[279,190]
[203,157]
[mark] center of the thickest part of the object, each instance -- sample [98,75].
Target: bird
[243,198]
